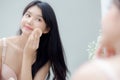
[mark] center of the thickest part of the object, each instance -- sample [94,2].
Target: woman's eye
[39,20]
[27,15]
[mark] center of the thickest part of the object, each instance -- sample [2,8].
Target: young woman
[107,65]
[30,55]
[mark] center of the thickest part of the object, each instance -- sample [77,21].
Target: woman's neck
[22,39]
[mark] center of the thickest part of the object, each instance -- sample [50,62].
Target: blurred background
[79,24]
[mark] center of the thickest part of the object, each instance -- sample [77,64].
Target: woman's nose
[30,21]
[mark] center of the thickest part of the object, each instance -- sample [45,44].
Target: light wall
[79,23]
[105,5]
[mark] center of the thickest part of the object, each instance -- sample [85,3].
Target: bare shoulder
[0,42]
[88,71]
[9,39]
[0,53]
[1,45]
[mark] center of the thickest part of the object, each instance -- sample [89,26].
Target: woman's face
[33,19]
[111,25]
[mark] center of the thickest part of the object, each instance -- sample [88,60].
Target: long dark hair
[50,46]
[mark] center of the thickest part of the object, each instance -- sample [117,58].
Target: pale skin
[21,50]
[111,43]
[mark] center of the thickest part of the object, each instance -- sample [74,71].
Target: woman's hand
[32,45]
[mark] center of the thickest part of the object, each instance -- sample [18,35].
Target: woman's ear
[46,30]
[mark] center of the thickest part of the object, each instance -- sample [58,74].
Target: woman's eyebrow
[36,15]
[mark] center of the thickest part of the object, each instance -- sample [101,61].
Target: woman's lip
[29,28]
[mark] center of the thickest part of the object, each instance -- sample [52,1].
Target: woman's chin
[27,32]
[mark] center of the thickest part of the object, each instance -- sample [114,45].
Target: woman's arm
[29,54]
[26,70]
[42,73]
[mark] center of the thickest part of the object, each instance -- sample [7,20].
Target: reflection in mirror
[36,48]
